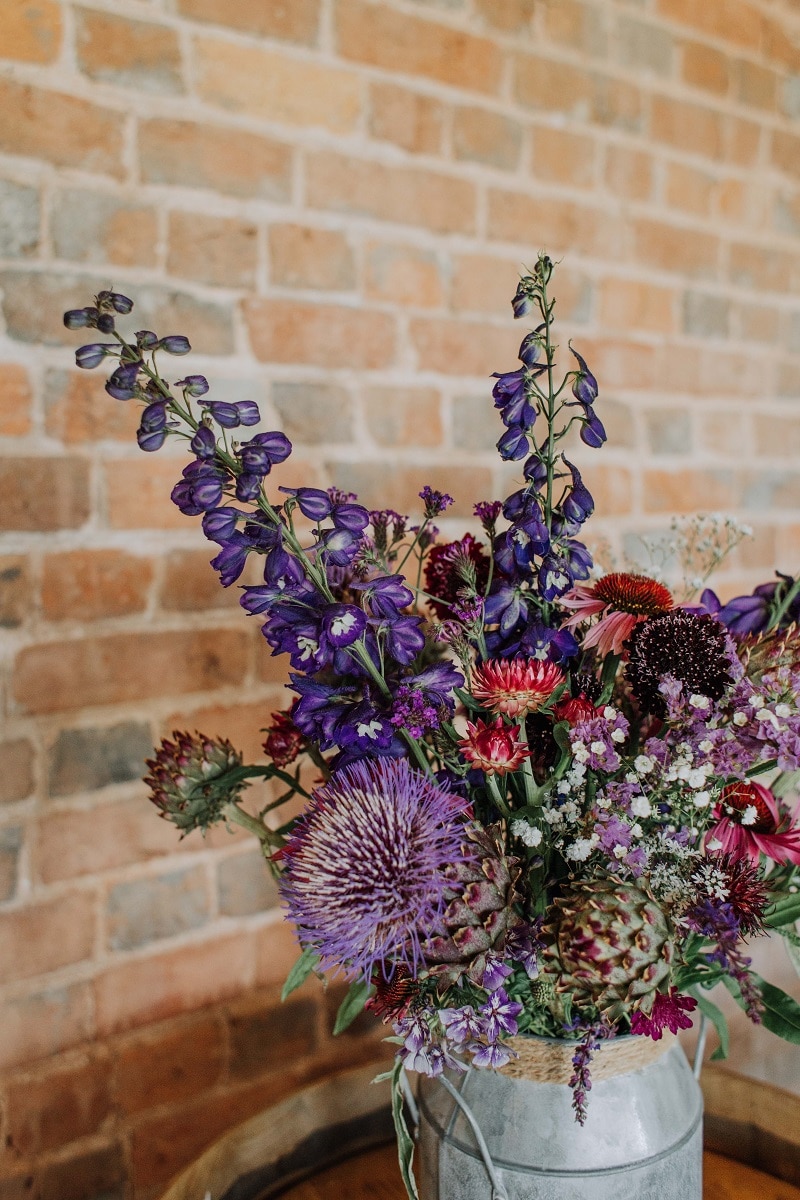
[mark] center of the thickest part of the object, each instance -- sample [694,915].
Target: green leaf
[305,965]
[352,1005]
[717,1018]
[405,1142]
[784,911]
[561,736]
[781,1013]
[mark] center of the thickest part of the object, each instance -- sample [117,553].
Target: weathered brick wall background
[332,199]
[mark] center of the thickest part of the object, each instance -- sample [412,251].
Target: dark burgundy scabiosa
[448,567]
[193,778]
[366,866]
[284,741]
[692,649]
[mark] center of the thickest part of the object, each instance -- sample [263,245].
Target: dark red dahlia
[451,567]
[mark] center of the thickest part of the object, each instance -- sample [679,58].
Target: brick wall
[332,199]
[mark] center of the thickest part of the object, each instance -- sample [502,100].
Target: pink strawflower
[515,686]
[668,1012]
[749,822]
[495,749]
[621,600]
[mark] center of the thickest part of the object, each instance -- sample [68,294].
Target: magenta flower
[749,822]
[668,1012]
[366,865]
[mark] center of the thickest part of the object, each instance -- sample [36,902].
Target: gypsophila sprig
[544,804]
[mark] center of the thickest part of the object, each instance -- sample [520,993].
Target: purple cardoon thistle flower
[366,866]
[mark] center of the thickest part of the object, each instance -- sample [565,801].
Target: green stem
[783,607]
[233,812]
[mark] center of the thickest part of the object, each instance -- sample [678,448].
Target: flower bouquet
[546,800]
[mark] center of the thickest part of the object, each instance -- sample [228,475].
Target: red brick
[618,104]
[382,37]
[262,1036]
[404,416]
[323,334]
[760,267]
[276,952]
[629,172]
[170,1063]
[543,83]
[232,161]
[16,587]
[691,127]
[60,129]
[78,409]
[104,838]
[689,189]
[92,1172]
[397,486]
[245,884]
[688,491]
[40,1024]
[621,364]
[93,227]
[731,20]
[241,724]
[743,142]
[62,1102]
[297,21]
[86,585]
[31,32]
[153,907]
[191,584]
[16,396]
[402,194]
[755,85]
[156,986]
[253,80]
[785,152]
[509,16]
[628,304]
[215,250]
[304,257]
[461,347]
[676,249]
[137,494]
[122,667]
[139,54]
[706,68]
[17,778]
[403,275]
[560,228]
[480,135]
[779,437]
[408,119]
[778,43]
[313,413]
[483,283]
[563,157]
[34,304]
[43,937]
[575,24]
[88,757]
[43,494]
[611,486]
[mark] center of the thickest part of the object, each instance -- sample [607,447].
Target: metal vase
[517,1138]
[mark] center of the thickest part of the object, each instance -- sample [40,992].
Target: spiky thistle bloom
[692,649]
[621,600]
[515,686]
[749,822]
[495,748]
[452,566]
[365,865]
[192,779]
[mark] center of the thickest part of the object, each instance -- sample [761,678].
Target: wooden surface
[375,1176]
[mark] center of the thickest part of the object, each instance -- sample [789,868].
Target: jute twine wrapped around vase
[549,1060]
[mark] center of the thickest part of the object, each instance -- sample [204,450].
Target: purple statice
[595,743]
[412,711]
[366,865]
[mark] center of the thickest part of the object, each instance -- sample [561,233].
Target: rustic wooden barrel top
[334,1141]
